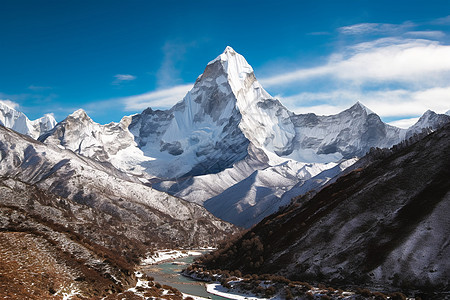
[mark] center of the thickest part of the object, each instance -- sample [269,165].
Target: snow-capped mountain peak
[260,115]
[235,65]
[427,118]
[44,124]
[18,121]
[5,106]
[48,119]
[429,121]
[80,114]
[359,105]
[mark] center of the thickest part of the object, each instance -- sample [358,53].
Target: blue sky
[114,58]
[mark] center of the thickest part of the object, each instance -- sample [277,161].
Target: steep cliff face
[384,224]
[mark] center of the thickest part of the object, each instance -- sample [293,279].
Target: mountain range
[340,198]
[229,145]
[83,225]
[381,225]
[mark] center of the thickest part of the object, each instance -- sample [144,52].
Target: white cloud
[404,123]
[298,75]
[442,21]
[399,103]
[436,34]
[123,77]
[161,98]
[9,103]
[374,28]
[168,74]
[174,53]
[39,88]
[412,61]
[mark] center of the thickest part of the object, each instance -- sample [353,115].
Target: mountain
[213,126]
[143,214]
[429,121]
[383,225]
[227,138]
[111,143]
[11,118]
[228,105]
[83,225]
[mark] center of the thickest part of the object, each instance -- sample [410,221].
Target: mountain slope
[53,247]
[150,216]
[11,118]
[250,200]
[429,121]
[382,224]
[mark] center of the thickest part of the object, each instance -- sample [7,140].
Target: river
[169,274]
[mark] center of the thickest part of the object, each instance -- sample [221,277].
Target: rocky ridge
[381,225]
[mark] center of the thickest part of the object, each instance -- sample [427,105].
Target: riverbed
[170,274]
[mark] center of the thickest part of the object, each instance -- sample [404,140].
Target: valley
[294,202]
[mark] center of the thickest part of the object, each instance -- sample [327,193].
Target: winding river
[169,273]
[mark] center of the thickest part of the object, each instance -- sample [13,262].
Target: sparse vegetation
[385,180]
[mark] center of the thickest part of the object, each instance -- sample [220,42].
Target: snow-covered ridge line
[18,121]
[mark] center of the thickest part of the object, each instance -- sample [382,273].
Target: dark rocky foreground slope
[383,225]
[51,246]
[68,223]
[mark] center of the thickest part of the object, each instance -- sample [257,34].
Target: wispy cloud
[320,33]
[386,103]
[119,78]
[383,60]
[375,28]
[174,52]
[164,98]
[10,103]
[442,21]
[297,75]
[404,123]
[432,34]
[37,88]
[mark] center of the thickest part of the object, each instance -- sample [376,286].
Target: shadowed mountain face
[383,224]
